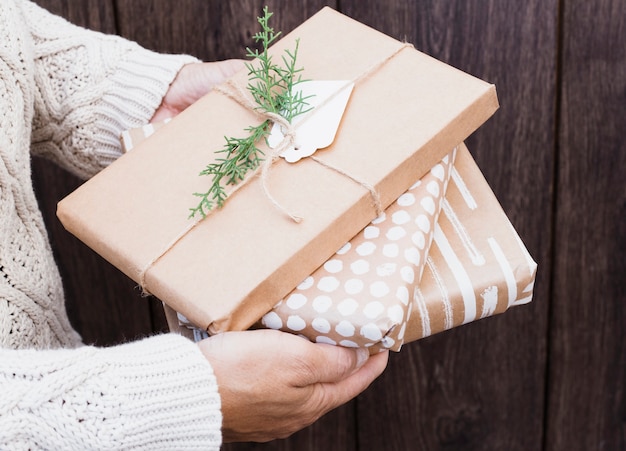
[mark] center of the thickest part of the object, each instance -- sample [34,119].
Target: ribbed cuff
[135,91]
[168,395]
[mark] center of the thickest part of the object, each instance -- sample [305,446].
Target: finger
[327,363]
[230,67]
[340,392]
[206,76]
[364,376]
[164,112]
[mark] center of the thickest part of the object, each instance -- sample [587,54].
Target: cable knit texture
[66,93]
[149,394]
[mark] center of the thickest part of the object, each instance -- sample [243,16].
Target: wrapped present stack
[400,237]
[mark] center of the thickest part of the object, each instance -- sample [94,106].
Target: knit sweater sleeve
[159,393]
[91,87]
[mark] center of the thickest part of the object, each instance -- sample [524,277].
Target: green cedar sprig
[272,88]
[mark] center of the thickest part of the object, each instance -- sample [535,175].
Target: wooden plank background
[549,375]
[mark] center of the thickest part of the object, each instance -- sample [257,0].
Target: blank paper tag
[320,127]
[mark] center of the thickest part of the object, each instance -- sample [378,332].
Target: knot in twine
[236,93]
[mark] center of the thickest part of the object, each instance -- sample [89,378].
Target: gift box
[476,267]
[226,271]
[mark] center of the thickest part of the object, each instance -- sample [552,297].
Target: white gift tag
[321,126]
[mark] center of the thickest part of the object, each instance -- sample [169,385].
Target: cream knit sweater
[66,93]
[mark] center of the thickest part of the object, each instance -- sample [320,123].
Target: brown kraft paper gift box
[232,267]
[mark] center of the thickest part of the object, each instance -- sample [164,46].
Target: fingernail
[362,355]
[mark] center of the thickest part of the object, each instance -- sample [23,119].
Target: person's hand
[273,384]
[192,82]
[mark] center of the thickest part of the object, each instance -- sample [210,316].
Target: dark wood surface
[464,388]
[586,401]
[550,375]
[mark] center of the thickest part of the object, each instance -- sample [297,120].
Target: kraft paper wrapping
[477,264]
[233,266]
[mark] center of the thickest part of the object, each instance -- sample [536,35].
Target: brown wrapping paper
[477,264]
[232,267]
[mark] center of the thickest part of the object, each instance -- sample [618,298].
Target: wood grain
[480,386]
[587,400]
[94,14]
[207,30]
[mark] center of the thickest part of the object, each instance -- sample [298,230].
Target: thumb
[335,363]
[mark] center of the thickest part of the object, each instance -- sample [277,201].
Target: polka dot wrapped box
[406,111]
[444,254]
[361,296]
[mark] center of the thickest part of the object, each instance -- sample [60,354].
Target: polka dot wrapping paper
[361,296]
